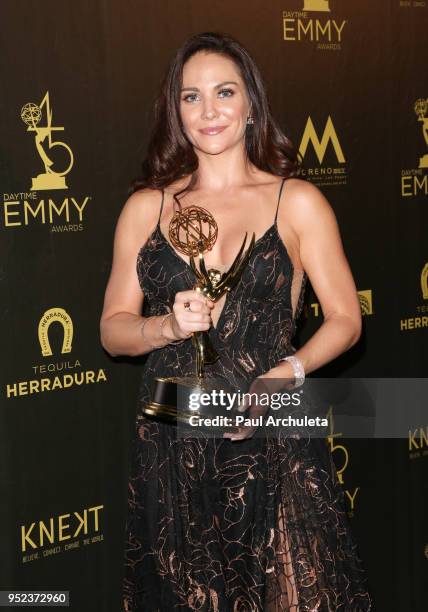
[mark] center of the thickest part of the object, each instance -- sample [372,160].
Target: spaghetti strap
[161,206]
[279,198]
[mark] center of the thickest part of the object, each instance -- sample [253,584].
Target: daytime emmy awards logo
[341,461]
[306,26]
[31,115]
[60,375]
[56,159]
[324,174]
[421,107]
[414,181]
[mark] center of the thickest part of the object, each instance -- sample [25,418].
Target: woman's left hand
[253,409]
[280,376]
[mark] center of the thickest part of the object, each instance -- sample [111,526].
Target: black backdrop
[343,84]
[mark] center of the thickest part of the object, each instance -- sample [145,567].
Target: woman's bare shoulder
[301,188]
[143,205]
[144,198]
[304,202]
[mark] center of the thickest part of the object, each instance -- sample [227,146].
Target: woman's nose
[209,110]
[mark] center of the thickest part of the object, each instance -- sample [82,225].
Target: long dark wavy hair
[170,155]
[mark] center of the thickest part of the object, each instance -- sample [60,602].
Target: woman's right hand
[192,312]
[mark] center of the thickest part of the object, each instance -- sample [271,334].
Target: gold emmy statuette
[193,231]
[421,107]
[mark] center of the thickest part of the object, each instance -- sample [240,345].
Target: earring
[250,120]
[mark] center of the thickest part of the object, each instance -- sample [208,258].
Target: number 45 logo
[31,115]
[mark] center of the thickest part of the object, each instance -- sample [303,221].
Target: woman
[238,522]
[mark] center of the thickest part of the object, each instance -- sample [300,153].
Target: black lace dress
[247,526]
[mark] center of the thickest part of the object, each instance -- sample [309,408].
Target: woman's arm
[121,320]
[309,216]
[321,253]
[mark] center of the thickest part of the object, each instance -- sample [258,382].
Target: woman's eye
[227,92]
[190,97]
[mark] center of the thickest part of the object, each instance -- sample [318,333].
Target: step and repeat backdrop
[347,82]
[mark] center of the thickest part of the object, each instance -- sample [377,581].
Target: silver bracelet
[164,318]
[298,369]
[142,333]
[179,340]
